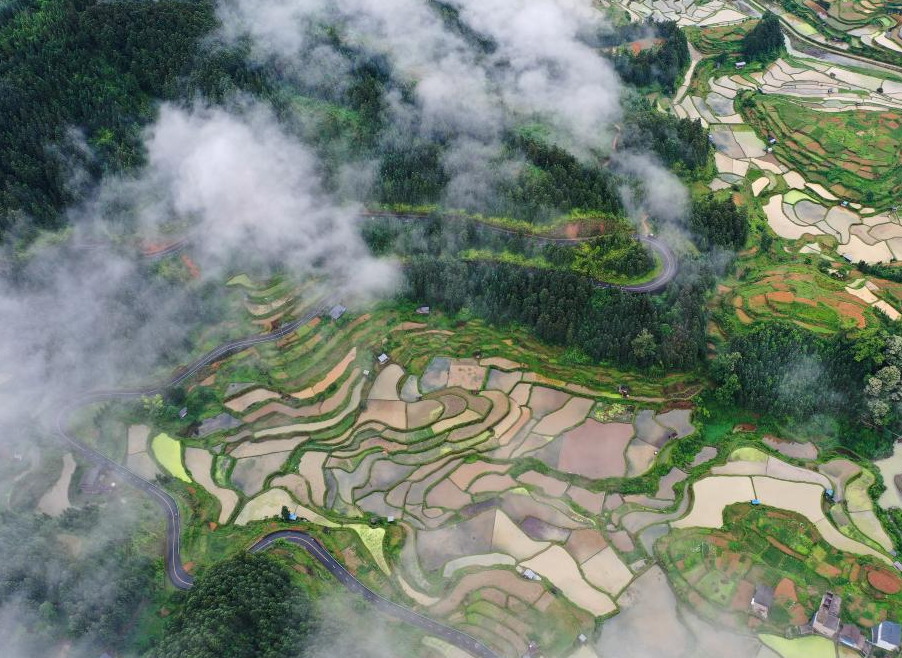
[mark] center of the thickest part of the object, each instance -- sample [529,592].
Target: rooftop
[828,613]
[764,595]
[851,636]
[889,632]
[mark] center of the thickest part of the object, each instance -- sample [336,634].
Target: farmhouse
[886,635]
[337,311]
[826,619]
[762,600]
[94,482]
[852,637]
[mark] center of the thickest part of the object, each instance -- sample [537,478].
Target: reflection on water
[889,468]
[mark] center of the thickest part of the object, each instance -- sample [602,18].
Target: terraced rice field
[853,153]
[810,299]
[168,452]
[435,439]
[430,439]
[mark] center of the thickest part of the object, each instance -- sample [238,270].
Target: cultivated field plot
[854,153]
[500,477]
[686,13]
[819,141]
[810,299]
[718,570]
[431,439]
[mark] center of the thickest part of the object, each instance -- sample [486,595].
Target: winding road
[669,263]
[177,574]
[180,578]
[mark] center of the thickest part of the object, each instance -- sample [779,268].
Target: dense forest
[75,71]
[661,65]
[764,42]
[90,597]
[91,72]
[718,222]
[665,331]
[851,382]
[245,607]
[681,144]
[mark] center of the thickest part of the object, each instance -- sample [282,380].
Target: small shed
[762,600]
[92,481]
[741,65]
[531,575]
[183,412]
[423,310]
[851,636]
[382,359]
[337,311]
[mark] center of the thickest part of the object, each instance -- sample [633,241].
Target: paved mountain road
[665,254]
[174,569]
[450,635]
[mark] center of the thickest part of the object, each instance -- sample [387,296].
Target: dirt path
[56,500]
[696,58]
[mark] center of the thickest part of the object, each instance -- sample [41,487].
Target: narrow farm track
[177,574]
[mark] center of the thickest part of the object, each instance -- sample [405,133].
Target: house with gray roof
[762,600]
[826,619]
[851,636]
[887,635]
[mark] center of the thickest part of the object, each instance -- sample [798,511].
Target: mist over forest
[397,151]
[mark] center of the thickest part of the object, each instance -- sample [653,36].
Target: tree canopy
[764,42]
[718,222]
[242,607]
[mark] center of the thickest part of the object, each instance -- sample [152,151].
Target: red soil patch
[805,300]
[884,582]
[744,592]
[745,427]
[638,46]
[847,309]
[213,525]
[737,302]
[786,590]
[785,549]
[152,248]
[193,269]
[828,571]
[757,301]
[743,317]
[854,572]
[777,281]
[718,541]
[781,296]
